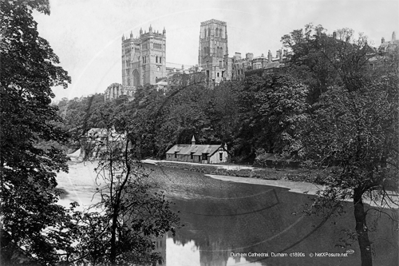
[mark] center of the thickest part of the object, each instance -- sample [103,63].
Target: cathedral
[143,58]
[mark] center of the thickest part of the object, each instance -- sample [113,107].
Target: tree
[30,217]
[352,133]
[131,215]
[321,60]
[222,112]
[271,108]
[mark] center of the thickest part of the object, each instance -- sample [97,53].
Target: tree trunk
[362,229]
[113,236]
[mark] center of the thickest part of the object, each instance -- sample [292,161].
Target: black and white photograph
[199,133]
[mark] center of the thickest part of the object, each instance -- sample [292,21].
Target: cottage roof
[102,133]
[197,149]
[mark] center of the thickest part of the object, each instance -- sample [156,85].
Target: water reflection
[190,254]
[222,219]
[239,224]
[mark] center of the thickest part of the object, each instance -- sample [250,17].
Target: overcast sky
[86,34]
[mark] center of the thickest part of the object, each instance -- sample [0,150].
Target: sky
[86,34]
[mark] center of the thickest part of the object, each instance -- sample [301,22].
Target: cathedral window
[156,59]
[217,32]
[157,46]
[160,60]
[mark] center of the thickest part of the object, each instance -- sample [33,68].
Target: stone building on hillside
[116,90]
[193,75]
[389,46]
[250,65]
[143,58]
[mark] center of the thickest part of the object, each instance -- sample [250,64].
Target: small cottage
[99,140]
[197,153]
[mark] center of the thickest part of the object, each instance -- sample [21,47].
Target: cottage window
[175,154]
[205,156]
[221,156]
[192,155]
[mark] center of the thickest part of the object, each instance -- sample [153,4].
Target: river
[230,223]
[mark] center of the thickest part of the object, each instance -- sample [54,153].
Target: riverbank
[240,170]
[295,180]
[293,186]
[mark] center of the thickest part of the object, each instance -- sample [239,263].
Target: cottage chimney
[193,141]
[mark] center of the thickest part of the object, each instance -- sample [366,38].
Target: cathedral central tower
[213,49]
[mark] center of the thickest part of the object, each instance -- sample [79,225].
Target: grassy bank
[289,174]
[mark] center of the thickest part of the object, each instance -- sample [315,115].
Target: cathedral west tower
[143,58]
[213,51]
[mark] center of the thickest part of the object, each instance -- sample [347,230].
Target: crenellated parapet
[213,21]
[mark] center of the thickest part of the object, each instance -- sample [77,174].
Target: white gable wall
[215,158]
